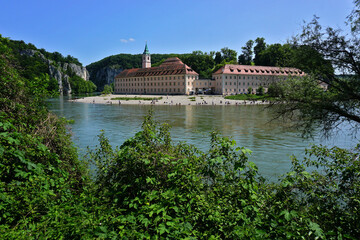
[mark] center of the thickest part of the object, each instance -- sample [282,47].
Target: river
[271,142]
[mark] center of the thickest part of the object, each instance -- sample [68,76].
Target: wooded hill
[58,73]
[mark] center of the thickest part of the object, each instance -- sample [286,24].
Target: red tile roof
[258,70]
[171,66]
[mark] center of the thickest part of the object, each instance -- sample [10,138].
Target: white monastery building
[175,77]
[236,79]
[171,77]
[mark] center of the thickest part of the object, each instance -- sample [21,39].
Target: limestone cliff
[104,76]
[60,71]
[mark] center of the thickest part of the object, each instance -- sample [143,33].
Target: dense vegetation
[36,68]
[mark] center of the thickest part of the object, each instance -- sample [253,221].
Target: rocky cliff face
[59,70]
[104,76]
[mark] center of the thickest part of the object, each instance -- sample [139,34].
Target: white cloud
[127,40]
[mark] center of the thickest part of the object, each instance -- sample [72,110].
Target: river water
[271,142]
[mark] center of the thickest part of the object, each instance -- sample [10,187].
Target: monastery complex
[175,77]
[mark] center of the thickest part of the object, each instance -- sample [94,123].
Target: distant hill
[64,75]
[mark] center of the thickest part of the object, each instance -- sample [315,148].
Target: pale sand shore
[175,100]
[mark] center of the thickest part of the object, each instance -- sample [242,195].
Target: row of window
[267,71]
[251,77]
[117,84]
[156,78]
[244,83]
[243,90]
[154,90]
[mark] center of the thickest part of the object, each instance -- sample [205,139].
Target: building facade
[204,86]
[237,79]
[171,77]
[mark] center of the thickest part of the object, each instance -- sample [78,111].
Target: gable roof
[258,70]
[171,66]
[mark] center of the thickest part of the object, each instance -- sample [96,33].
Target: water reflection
[271,142]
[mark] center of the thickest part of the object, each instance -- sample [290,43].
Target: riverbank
[166,100]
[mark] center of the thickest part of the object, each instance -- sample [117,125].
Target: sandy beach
[176,100]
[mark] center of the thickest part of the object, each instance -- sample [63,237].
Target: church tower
[146,58]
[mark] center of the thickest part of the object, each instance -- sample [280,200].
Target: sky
[91,30]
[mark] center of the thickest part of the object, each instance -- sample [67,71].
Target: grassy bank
[249,97]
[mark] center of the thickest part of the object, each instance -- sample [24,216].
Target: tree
[247,53]
[218,58]
[341,102]
[354,18]
[228,54]
[258,48]
[108,89]
[260,91]
[200,62]
[250,90]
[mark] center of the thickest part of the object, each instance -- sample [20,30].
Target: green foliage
[275,90]
[153,187]
[341,101]
[258,48]
[35,70]
[246,57]
[249,97]
[200,62]
[108,89]
[329,194]
[260,91]
[79,85]
[41,178]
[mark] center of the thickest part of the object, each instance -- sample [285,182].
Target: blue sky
[93,29]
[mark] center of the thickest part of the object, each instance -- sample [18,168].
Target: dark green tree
[341,102]
[218,58]
[228,55]
[200,62]
[258,48]
[260,91]
[246,57]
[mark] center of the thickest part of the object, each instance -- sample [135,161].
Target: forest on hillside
[36,67]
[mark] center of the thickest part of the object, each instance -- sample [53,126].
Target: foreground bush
[153,187]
